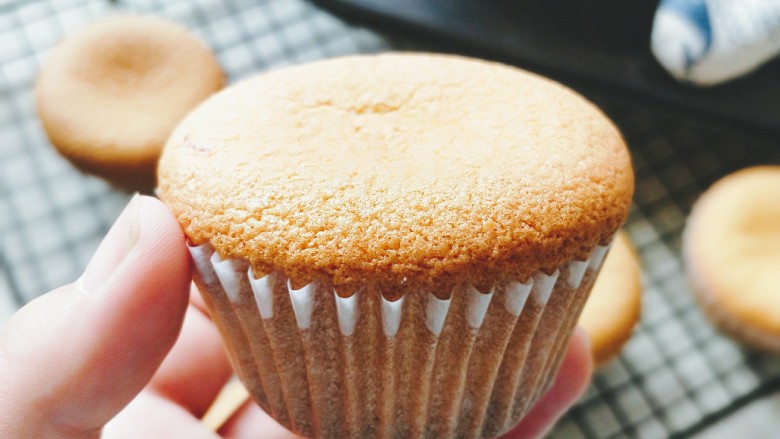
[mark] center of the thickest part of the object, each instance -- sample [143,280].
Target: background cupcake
[397,244]
[730,247]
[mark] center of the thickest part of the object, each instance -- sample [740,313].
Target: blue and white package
[706,42]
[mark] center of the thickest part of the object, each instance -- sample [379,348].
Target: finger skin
[570,384]
[152,416]
[72,358]
[197,367]
[251,419]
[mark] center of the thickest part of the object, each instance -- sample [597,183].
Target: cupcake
[731,249]
[109,95]
[396,245]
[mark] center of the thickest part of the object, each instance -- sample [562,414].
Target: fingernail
[119,241]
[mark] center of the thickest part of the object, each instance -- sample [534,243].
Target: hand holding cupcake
[109,332]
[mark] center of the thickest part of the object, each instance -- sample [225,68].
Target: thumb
[73,358]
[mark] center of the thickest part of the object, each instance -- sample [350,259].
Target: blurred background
[676,378]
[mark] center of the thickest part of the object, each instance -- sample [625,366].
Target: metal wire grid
[674,377]
[677,375]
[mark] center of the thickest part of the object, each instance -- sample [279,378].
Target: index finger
[197,367]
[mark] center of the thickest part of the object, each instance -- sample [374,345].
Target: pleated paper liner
[326,366]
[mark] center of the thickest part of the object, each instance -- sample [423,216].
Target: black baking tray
[601,44]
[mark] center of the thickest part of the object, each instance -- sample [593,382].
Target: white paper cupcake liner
[327,366]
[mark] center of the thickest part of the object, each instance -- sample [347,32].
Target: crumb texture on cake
[406,168]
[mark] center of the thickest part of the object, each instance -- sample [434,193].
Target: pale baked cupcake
[397,245]
[110,95]
[731,247]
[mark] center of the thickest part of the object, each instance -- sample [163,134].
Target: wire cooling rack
[676,375]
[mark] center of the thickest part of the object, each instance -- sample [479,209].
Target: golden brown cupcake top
[110,95]
[412,169]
